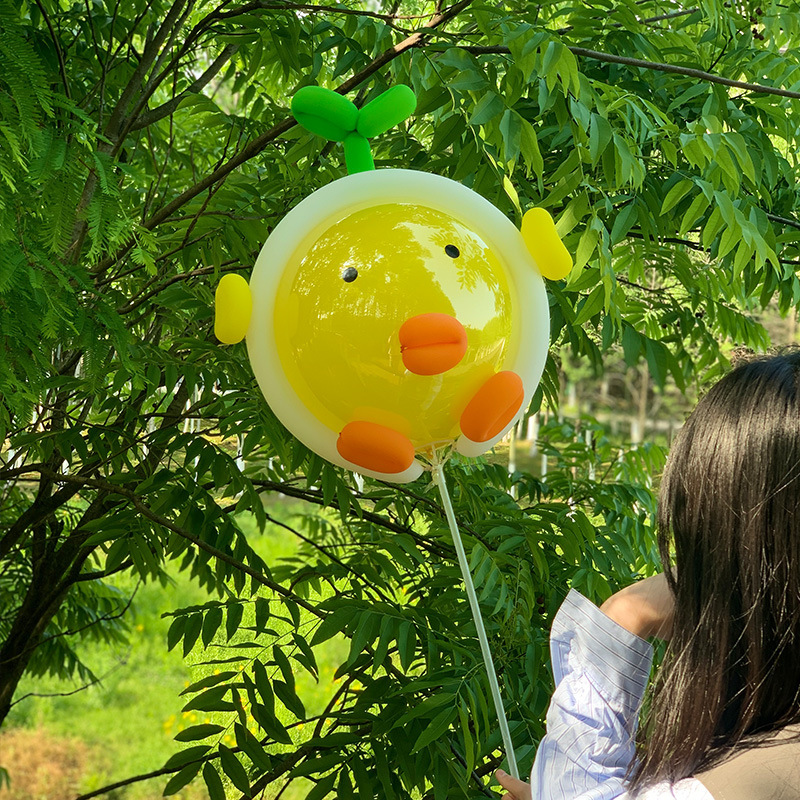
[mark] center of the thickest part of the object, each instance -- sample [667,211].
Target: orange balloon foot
[493,407]
[375,448]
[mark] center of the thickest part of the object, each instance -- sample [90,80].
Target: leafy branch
[675,69]
[260,142]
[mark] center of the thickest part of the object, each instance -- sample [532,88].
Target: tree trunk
[42,601]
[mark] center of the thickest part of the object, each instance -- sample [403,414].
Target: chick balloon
[393,314]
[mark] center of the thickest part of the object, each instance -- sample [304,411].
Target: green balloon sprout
[334,117]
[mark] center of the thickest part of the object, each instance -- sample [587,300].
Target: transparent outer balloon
[342,272]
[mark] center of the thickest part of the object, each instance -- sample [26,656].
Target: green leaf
[194,624]
[676,194]
[183,757]
[216,791]
[586,246]
[693,213]
[488,107]
[233,769]
[364,635]
[591,305]
[511,131]
[179,780]
[198,732]
[334,623]
[656,361]
[252,747]
[175,632]
[447,132]
[469,741]
[712,227]
[317,764]
[233,618]
[623,222]
[209,680]
[210,700]
[211,622]
[731,236]
[436,728]
[599,137]
[264,685]
[631,345]
[272,726]
[388,632]
[323,788]
[529,147]
[288,696]
[406,643]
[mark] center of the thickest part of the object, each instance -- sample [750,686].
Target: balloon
[395,313]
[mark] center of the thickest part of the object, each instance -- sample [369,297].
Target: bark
[40,605]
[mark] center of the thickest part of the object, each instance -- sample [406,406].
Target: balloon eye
[452,251]
[349,274]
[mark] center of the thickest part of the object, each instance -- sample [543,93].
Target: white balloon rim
[350,194]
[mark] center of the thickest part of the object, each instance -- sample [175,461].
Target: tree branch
[336,560]
[165,109]
[260,142]
[135,302]
[146,511]
[104,618]
[96,576]
[791,223]
[281,769]
[74,691]
[260,5]
[316,498]
[612,58]
[116,124]
[149,55]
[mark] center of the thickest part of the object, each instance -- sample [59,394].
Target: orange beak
[432,343]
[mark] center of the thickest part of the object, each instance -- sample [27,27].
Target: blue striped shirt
[601,671]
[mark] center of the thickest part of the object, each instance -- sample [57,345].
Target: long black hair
[729,505]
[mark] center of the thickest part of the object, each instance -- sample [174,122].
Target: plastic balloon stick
[441,482]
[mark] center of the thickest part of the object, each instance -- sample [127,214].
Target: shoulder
[686,789]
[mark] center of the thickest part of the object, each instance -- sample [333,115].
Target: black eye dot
[349,274]
[452,251]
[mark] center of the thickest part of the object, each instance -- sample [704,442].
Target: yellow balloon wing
[233,305]
[545,245]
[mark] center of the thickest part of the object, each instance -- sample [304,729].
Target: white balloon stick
[437,473]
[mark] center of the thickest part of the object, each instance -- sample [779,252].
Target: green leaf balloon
[325,112]
[386,111]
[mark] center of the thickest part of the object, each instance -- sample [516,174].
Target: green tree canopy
[147,148]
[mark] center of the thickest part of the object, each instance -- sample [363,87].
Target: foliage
[146,148]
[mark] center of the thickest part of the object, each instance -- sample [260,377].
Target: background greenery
[146,148]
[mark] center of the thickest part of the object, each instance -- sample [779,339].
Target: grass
[124,725]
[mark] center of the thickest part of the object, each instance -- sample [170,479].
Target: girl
[724,723]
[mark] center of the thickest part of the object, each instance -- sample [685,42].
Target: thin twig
[332,557]
[74,691]
[613,58]
[59,54]
[105,618]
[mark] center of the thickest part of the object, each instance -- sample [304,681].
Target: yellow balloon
[338,340]
[394,312]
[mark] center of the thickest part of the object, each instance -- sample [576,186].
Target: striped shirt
[601,671]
